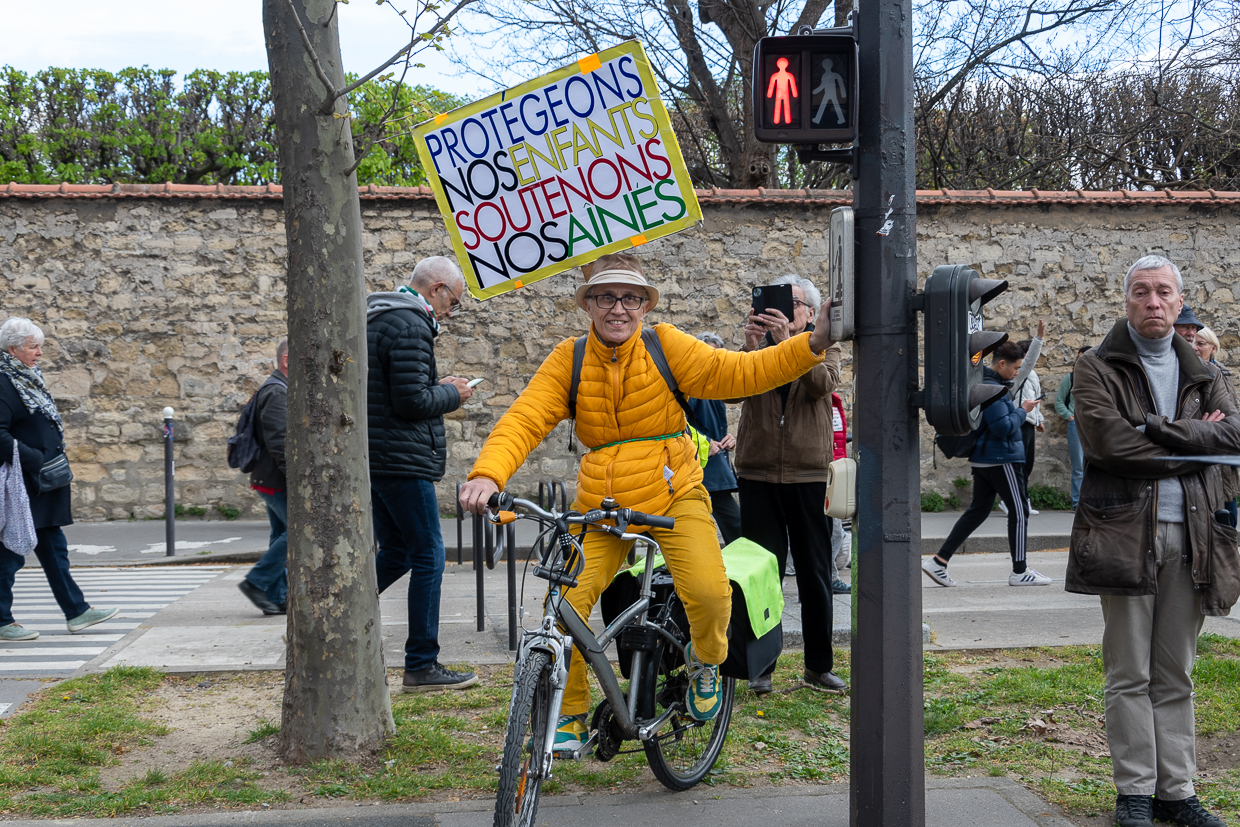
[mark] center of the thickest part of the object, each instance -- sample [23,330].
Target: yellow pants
[691,551]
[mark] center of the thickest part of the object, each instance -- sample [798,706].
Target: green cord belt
[638,439]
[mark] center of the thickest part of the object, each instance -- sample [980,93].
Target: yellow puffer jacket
[623,406]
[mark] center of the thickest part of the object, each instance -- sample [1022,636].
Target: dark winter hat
[1188,317]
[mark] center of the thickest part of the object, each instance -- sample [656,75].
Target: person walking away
[1032,348]
[266,585]
[1207,345]
[29,418]
[717,476]
[641,456]
[406,403]
[1147,539]
[784,446]
[839,450]
[997,463]
[1064,407]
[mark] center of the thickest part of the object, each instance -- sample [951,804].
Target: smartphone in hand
[473,383]
[773,297]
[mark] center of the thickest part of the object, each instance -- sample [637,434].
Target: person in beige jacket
[783,447]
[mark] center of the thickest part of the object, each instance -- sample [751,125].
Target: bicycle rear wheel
[520,777]
[682,752]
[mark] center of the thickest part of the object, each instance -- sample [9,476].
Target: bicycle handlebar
[501,503]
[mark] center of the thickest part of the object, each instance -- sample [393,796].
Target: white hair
[1152,262]
[711,338]
[436,268]
[16,331]
[812,296]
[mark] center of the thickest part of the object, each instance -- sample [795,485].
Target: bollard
[510,534]
[460,526]
[478,531]
[170,513]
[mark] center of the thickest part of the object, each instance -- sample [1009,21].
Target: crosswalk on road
[138,592]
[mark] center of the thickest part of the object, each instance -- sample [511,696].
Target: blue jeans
[269,573]
[407,529]
[53,553]
[1078,461]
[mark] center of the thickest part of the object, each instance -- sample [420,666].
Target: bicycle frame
[548,638]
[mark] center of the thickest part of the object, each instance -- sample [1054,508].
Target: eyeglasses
[606,301]
[456,300]
[806,305]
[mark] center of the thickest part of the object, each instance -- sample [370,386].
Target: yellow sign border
[693,210]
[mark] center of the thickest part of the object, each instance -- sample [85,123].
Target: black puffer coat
[405,402]
[39,440]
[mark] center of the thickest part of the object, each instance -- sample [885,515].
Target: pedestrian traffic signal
[956,347]
[805,88]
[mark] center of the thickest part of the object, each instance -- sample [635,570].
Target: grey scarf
[31,388]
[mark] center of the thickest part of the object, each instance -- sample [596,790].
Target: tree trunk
[336,700]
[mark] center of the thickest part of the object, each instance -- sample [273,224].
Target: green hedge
[140,125]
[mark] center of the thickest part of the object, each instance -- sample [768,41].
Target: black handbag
[54,474]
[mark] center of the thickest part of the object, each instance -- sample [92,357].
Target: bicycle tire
[516,801]
[683,751]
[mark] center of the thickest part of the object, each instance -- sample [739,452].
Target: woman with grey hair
[28,417]
[784,447]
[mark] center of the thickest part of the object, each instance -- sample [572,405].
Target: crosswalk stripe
[49,616]
[40,665]
[60,627]
[52,651]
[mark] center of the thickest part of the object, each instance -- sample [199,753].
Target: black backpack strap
[579,356]
[654,348]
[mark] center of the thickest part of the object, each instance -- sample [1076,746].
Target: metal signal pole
[888,764]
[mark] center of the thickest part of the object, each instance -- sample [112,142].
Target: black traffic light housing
[956,348]
[805,88]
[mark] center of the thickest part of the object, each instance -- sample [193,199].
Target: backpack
[244,447]
[655,349]
[957,446]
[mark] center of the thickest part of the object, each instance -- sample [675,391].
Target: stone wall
[154,296]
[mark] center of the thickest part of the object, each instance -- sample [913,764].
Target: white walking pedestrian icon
[831,81]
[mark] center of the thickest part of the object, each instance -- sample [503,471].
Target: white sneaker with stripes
[937,572]
[1028,577]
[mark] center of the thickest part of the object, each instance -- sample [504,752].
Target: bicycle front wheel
[682,752]
[520,773]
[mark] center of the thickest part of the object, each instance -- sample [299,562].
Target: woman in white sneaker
[28,417]
[998,469]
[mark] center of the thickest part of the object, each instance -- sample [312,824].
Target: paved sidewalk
[964,802]
[141,542]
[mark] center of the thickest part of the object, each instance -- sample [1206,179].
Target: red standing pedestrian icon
[783,87]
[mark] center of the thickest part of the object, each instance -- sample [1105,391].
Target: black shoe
[825,682]
[281,609]
[1186,813]
[760,685]
[259,598]
[838,586]
[1134,811]
[435,678]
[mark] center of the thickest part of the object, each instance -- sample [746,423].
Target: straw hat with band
[617,277]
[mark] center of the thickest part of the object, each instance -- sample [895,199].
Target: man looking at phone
[1148,537]
[784,446]
[406,402]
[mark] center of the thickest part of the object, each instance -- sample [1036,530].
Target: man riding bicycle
[640,456]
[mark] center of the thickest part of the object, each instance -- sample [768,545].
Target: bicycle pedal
[577,754]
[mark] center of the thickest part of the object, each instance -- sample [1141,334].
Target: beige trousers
[1148,648]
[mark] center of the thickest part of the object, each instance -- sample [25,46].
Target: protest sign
[558,171]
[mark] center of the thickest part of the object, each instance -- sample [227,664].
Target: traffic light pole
[888,763]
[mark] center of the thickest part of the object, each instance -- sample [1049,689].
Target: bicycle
[653,632]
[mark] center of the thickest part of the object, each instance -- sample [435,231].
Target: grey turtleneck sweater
[1163,369]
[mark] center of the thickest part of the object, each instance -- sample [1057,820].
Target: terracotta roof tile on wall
[714,195]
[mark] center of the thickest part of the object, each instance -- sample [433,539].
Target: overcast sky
[177,34]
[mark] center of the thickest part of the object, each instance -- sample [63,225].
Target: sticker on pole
[558,171]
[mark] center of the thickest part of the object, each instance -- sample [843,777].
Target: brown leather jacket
[790,443]
[1116,521]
